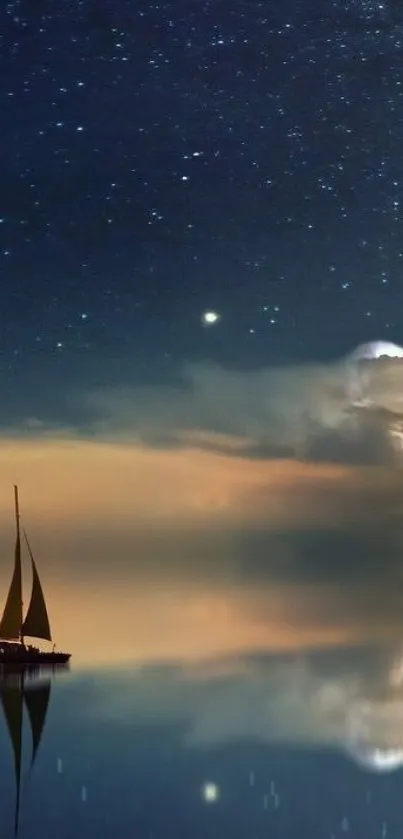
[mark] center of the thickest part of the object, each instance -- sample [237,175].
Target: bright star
[209,318]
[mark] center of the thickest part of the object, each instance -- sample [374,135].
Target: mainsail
[10,624]
[36,623]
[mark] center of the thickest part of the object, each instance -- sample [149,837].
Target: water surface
[246,746]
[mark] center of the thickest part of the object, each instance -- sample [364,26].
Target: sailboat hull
[19,654]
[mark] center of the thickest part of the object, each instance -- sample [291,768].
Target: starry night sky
[206,491]
[163,159]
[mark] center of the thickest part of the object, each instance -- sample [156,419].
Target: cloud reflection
[341,699]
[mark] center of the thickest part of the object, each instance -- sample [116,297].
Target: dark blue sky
[161,159]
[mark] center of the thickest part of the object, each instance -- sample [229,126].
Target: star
[209,318]
[243,227]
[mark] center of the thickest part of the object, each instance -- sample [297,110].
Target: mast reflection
[28,686]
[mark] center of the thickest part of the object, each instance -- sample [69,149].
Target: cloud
[237,510]
[302,411]
[347,411]
[269,407]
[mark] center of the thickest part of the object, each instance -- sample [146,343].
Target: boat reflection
[29,686]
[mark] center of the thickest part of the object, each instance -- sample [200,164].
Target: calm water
[246,747]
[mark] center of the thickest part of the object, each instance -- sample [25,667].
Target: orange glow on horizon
[138,548]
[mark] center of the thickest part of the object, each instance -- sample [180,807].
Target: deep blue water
[165,751]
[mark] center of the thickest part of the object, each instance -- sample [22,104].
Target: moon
[358,378]
[376,349]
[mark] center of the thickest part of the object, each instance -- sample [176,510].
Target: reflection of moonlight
[378,760]
[375,735]
[210,792]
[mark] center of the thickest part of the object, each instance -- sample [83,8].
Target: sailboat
[14,628]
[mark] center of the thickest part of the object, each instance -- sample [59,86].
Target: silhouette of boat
[13,627]
[17,689]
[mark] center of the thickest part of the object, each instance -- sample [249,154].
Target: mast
[11,621]
[18,544]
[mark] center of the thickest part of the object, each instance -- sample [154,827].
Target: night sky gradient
[214,511]
[161,159]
